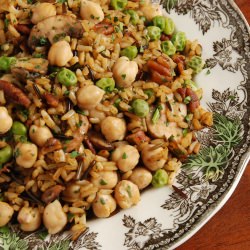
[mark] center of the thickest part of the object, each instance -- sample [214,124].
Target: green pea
[140,108]
[18,128]
[154,33]
[169,26]
[159,21]
[160,178]
[5,154]
[179,40]
[67,77]
[168,48]
[6,62]
[149,92]
[130,52]
[134,17]
[118,4]
[107,84]
[196,64]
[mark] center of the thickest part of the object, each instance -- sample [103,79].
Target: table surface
[229,229]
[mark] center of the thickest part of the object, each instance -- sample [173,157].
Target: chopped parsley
[124,156]
[74,154]
[187,100]
[17,153]
[123,76]
[61,1]
[188,117]
[58,37]
[6,23]
[129,191]
[43,41]
[185,131]
[208,72]
[102,201]
[80,112]
[66,93]
[103,182]
[116,19]
[70,216]
[92,16]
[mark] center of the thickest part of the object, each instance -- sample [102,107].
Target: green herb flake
[74,154]
[123,76]
[92,16]
[103,182]
[184,131]
[6,23]
[124,156]
[66,93]
[129,191]
[43,40]
[102,201]
[70,216]
[187,100]
[17,153]
[116,19]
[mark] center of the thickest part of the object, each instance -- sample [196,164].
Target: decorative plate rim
[245,158]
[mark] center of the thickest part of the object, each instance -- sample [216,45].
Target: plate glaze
[165,219]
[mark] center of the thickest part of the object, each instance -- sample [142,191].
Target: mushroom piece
[29,68]
[54,28]
[99,141]
[162,128]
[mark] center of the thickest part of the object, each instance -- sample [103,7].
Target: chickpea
[29,219]
[88,97]
[94,113]
[104,205]
[91,11]
[141,177]
[154,159]
[6,212]
[124,72]
[6,120]
[113,128]
[151,10]
[126,157]
[54,218]
[126,194]
[42,11]
[26,154]
[39,135]
[60,53]
[105,180]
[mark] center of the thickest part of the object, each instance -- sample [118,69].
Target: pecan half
[160,70]
[23,29]
[194,103]
[14,94]
[51,100]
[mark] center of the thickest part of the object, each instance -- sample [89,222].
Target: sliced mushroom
[25,67]
[54,28]
[162,128]
[99,141]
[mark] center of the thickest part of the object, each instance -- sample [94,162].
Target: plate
[164,219]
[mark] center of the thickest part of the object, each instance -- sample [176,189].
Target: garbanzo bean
[42,11]
[29,219]
[6,212]
[60,53]
[113,128]
[6,120]
[106,179]
[88,97]
[26,154]
[104,205]
[126,194]
[39,135]
[126,157]
[54,218]
[124,72]
[141,177]
[91,11]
